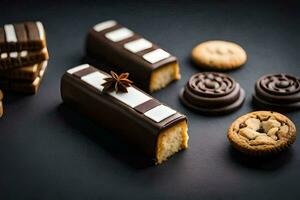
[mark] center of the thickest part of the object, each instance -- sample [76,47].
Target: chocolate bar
[151,67]
[29,73]
[16,59]
[24,86]
[151,126]
[22,36]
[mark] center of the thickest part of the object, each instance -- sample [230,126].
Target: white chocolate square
[159,113]
[4,55]
[133,98]
[138,45]
[23,53]
[95,79]
[13,54]
[104,25]
[10,33]
[78,68]
[119,34]
[41,30]
[156,56]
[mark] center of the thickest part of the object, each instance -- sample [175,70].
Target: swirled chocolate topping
[212,92]
[211,84]
[278,90]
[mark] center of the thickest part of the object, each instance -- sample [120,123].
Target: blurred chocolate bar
[23,56]
[24,86]
[24,73]
[22,36]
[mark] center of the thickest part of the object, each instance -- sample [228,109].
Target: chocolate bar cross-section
[151,126]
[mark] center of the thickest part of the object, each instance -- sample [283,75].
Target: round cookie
[219,55]
[278,91]
[262,132]
[212,93]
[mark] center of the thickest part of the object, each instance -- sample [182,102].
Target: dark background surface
[48,151]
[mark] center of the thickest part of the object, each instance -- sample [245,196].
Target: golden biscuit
[219,55]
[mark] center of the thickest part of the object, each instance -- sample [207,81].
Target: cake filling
[171,141]
[162,76]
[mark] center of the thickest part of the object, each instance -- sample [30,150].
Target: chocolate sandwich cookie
[143,121]
[262,132]
[1,105]
[13,60]
[29,73]
[28,36]
[151,67]
[278,91]
[24,86]
[212,92]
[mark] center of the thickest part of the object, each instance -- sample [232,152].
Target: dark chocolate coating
[98,46]
[278,90]
[21,33]
[273,105]
[112,114]
[144,107]
[212,92]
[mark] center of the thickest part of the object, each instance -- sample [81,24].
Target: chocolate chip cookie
[262,132]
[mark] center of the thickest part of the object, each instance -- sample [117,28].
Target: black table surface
[49,151]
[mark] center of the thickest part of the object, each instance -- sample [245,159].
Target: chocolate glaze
[212,93]
[278,90]
[110,113]
[99,47]
[144,107]
[21,33]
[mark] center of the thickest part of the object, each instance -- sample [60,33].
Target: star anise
[117,83]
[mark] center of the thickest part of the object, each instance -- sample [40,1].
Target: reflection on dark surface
[264,163]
